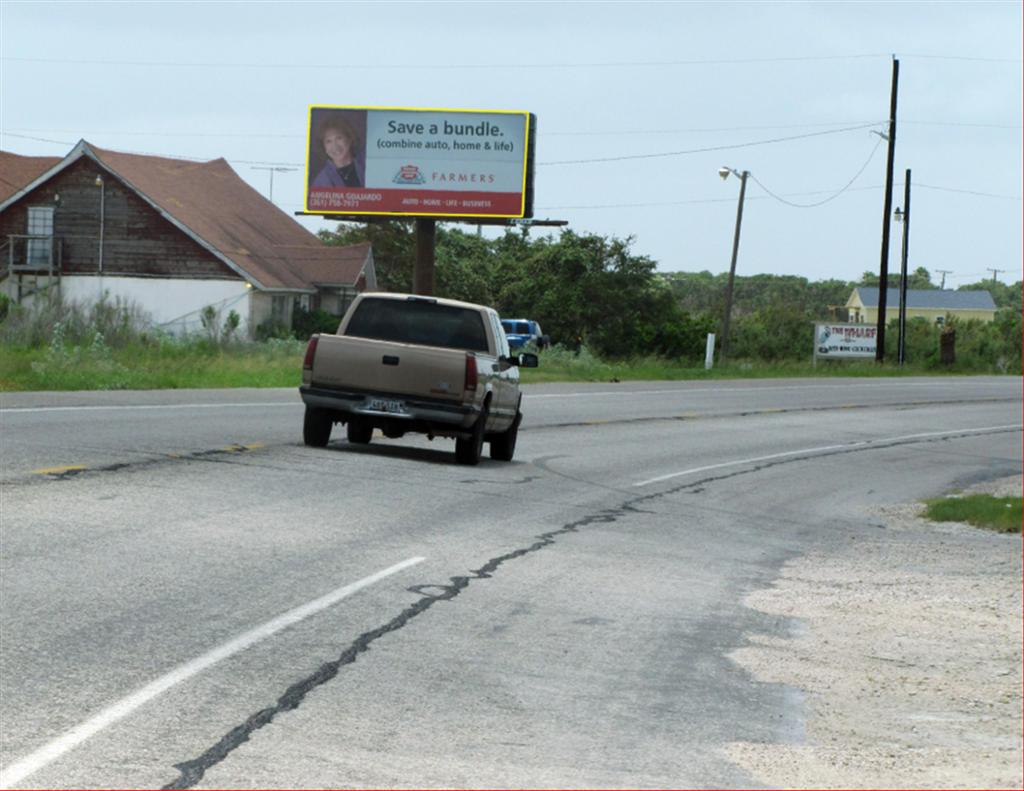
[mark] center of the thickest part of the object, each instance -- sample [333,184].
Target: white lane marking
[740,390]
[21,410]
[30,764]
[811,451]
[945,384]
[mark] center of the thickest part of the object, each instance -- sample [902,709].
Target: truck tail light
[471,377]
[307,363]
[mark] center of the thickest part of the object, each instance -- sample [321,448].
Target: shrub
[310,322]
[272,329]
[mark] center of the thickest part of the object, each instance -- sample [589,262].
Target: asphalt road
[189,597]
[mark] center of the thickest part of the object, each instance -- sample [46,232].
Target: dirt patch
[907,648]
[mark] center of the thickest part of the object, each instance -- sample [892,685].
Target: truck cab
[524,332]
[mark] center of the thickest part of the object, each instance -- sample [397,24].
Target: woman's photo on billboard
[337,151]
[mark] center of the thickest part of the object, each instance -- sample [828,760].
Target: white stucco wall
[174,304]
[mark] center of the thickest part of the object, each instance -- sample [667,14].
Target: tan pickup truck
[403,363]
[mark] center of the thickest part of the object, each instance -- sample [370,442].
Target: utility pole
[272,170]
[902,346]
[883,274]
[943,272]
[994,273]
[732,266]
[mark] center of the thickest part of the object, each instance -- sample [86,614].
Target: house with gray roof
[933,304]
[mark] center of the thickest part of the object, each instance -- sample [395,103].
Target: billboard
[419,162]
[844,340]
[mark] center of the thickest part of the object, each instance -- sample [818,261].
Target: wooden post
[883,269]
[723,352]
[423,273]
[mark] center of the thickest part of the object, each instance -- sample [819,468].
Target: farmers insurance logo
[408,174]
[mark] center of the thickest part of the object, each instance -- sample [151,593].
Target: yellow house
[930,303]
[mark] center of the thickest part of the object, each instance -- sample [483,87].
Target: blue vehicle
[524,332]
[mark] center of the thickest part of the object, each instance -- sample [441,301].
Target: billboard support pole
[423,273]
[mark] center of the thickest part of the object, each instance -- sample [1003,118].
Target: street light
[903,217]
[724,172]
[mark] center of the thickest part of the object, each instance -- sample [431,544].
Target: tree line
[592,290]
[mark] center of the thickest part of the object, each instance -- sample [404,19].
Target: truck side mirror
[528,360]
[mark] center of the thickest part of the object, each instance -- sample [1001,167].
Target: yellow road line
[59,470]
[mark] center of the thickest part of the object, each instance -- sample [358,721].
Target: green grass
[147,367]
[560,365]
[1001,514]
[197,363]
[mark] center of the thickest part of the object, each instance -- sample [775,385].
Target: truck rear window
[421,322]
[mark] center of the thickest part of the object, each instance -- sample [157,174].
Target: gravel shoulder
[907,650]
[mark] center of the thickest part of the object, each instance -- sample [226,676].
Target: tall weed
[120,321]
[65,367]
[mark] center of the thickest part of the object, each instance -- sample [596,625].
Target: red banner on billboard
[351,199]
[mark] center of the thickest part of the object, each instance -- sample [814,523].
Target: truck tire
[316,427]
[503,446]
[359,431]
[467,451]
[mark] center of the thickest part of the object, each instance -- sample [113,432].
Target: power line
[960,123]
[692,130]
[594,206]
[37,139]
[164,156]
[964,58]
[565,162]
[375,66]
[544,133]
[830,197]
[126,133]
[764,197]
[968,192]
[692,202]
[519,65]
[707,149]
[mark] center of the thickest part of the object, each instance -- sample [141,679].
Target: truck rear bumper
[420,414]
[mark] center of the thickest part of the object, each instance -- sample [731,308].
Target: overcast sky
[606,80]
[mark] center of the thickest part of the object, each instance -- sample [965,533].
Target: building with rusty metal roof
[172,235]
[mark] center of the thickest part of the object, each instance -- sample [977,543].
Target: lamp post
[724,173]
[903,217]
[99,183]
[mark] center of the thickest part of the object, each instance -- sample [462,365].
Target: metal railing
[37,255]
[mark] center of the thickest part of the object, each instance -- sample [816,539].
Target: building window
[279,310]
[40,223]
[346,295]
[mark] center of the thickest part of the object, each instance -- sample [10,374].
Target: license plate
[385,405]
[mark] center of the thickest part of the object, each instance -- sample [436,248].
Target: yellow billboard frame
[526,155]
